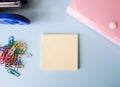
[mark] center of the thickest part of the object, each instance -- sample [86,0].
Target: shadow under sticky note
[59,51]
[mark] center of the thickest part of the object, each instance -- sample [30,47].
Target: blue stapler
[8,18]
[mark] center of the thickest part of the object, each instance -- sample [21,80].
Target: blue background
[99,58]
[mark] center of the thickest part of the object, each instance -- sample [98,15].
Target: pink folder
[103,16]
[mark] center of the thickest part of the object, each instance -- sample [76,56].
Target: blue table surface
[99,58]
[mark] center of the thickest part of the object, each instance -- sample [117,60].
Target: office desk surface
[99,59]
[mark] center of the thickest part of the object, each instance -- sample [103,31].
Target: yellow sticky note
[59,51]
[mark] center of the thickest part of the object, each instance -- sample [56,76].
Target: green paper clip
[13,72]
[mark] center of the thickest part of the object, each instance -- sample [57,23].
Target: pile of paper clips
[10,56]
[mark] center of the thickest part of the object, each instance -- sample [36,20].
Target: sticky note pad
[59,51]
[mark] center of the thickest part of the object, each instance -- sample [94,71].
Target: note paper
[59,51]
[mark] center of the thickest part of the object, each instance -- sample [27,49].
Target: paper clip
[14,47]
[20,66]
[10,56]
[19,61]
[22,50]
[2,49]
[4,53]
[11,40]
[13,72]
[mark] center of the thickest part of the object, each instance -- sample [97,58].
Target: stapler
[9,18]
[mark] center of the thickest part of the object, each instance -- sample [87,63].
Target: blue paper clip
[11,40]
[19,61]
